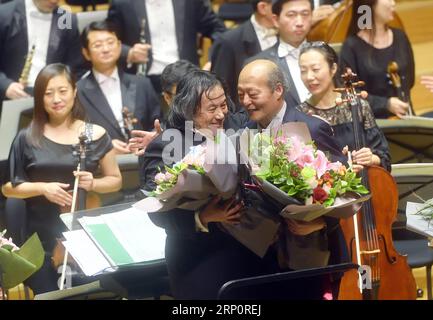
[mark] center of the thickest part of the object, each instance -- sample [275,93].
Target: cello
[388,274]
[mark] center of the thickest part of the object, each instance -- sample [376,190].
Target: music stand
[411,178]
[410,140]
[140,280]
[243,288]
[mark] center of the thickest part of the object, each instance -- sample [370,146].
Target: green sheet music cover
[108,242]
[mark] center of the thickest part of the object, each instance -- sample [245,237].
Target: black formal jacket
[64,44]
[138,96]
[191,17]
[291,97]
[229,53]
[198,263]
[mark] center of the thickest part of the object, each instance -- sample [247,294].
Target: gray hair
[276,77]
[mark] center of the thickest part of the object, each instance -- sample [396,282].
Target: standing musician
[106,90]
[43,162]
[319,63]
[171,31]
[369,51]
[38,23]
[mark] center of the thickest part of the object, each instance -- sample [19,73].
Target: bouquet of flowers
[304,184]
[207,170]
[295,173]
[17,264]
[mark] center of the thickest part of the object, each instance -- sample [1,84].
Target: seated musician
[43,163]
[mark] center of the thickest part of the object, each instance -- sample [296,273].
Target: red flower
[327,176]
[319,195]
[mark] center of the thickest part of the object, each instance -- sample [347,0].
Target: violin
[369,237]
[79,202]
[128,122]
[395,80]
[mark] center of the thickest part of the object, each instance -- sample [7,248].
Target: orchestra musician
[43,162]
[38,23]
[368,52]
[106,90]
[319,65]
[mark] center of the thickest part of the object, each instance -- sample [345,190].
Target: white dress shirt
[276,121]
[292,58]
[38,34]
[161,23]
[267,36]
[110,86]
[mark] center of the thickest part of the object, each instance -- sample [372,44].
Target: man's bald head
[267,70]
[261,88]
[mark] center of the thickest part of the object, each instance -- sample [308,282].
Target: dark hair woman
[43,160]
[368,52]
[319,63]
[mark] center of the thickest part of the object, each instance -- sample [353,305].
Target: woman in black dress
[318,64]
[369,51]
[43,161]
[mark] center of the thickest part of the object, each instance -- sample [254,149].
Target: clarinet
[142,67]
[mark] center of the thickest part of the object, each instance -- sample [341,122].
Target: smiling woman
[43,160]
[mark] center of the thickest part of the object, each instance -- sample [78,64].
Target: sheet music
[415,222]
[85,253]
[136,232]
[127,236]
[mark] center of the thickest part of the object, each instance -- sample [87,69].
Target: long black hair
[40,115]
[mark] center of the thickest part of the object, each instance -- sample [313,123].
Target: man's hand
[139,53]
[141,139]
[120,147]
[302,228]
[322,12]
[397,107]
[427,81]
[16,91]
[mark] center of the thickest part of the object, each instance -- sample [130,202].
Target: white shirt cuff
[198,225]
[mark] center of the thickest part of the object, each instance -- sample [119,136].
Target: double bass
[388,274]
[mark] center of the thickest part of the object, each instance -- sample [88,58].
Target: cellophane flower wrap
[301,170]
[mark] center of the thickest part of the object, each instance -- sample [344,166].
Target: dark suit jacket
[64,44]
[229,53]
[198,263]
[137,95]
[292,97]
[191,17]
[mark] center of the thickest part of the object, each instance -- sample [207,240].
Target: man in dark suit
[293,20]
[234,47]
[52,30]
[105,91]
[171,29]
[261,92]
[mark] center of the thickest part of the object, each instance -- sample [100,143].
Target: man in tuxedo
[261,90]
[234,47]
[105,90]
[171,29]
[39,23]
[293,19]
